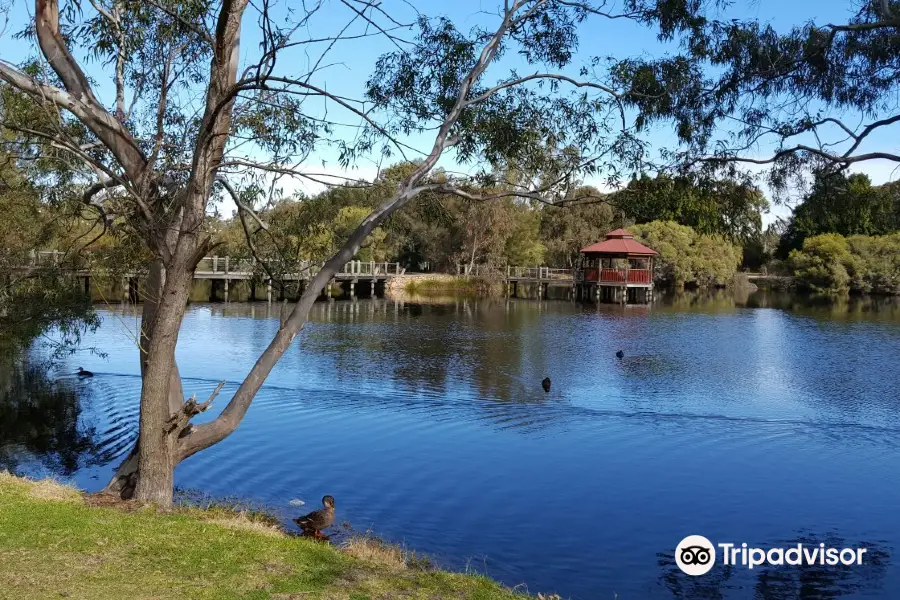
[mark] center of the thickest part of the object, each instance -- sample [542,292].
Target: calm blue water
[428,424]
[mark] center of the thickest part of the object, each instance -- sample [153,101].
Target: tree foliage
[740,91]
[689,257]
[36,296]
[832,264]
[843,204]
[713,207]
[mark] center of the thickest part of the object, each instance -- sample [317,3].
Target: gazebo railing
[612,275]
[639,276]
[623,276]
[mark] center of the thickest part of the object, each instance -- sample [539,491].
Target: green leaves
[726,207]
[507,120]
[843,204]
[686,257]
[740,88]
[35,297]
[832,264]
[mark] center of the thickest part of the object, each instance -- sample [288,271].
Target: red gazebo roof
[619,242]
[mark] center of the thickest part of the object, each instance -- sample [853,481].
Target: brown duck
[316,521]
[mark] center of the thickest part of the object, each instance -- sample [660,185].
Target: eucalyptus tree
[191,115]
[34,297]
[817,96]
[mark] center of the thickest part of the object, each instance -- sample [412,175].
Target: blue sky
[351,62]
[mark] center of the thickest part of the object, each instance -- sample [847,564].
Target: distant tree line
[844,236]
[844,204]
[438,232]
[704,233]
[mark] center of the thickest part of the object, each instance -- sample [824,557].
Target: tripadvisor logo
[696,555]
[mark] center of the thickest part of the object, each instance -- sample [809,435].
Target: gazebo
[618,269]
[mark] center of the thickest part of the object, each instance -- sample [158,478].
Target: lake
[762,419]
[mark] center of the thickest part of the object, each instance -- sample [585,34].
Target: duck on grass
[61,543]
[313,523]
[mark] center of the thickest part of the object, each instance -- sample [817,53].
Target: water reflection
[39,421]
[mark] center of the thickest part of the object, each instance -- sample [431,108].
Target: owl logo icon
[695,555]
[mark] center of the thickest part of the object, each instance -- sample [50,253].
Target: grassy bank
[57,543]
[451,286]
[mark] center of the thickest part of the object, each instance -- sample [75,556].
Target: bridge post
[215,263]
[330,284]
[372,290]
[352,288]
[226,290]
[269,291]
[506,283]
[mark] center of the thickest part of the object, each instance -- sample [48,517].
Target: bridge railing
[245,267]
[538,273]
[512,272]
[228,265]
[372,268]
[625,276]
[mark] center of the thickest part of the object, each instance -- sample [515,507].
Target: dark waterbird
[316,521]
[83,373]
[546,384]
[620,354]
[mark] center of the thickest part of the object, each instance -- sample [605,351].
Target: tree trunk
[125,480]
[156,439]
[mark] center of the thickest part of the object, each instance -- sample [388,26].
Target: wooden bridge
[222,271]
[539,277]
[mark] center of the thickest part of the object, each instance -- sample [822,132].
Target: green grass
[456,286]
[53,544]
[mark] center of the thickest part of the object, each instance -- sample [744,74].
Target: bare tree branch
[208,434]
[240,204]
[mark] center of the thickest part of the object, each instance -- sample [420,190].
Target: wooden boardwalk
[222,271]
[226,267]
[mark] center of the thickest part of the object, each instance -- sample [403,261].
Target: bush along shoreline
[833,264]
[57,542]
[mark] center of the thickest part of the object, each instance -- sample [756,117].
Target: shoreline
[61,542]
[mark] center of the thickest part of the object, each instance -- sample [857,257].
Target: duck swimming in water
[620,354]
[546,384]
[83,373]
[316,521]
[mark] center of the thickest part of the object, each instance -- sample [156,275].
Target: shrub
[688,257]
[877,268]
[833,264]
[822,264]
